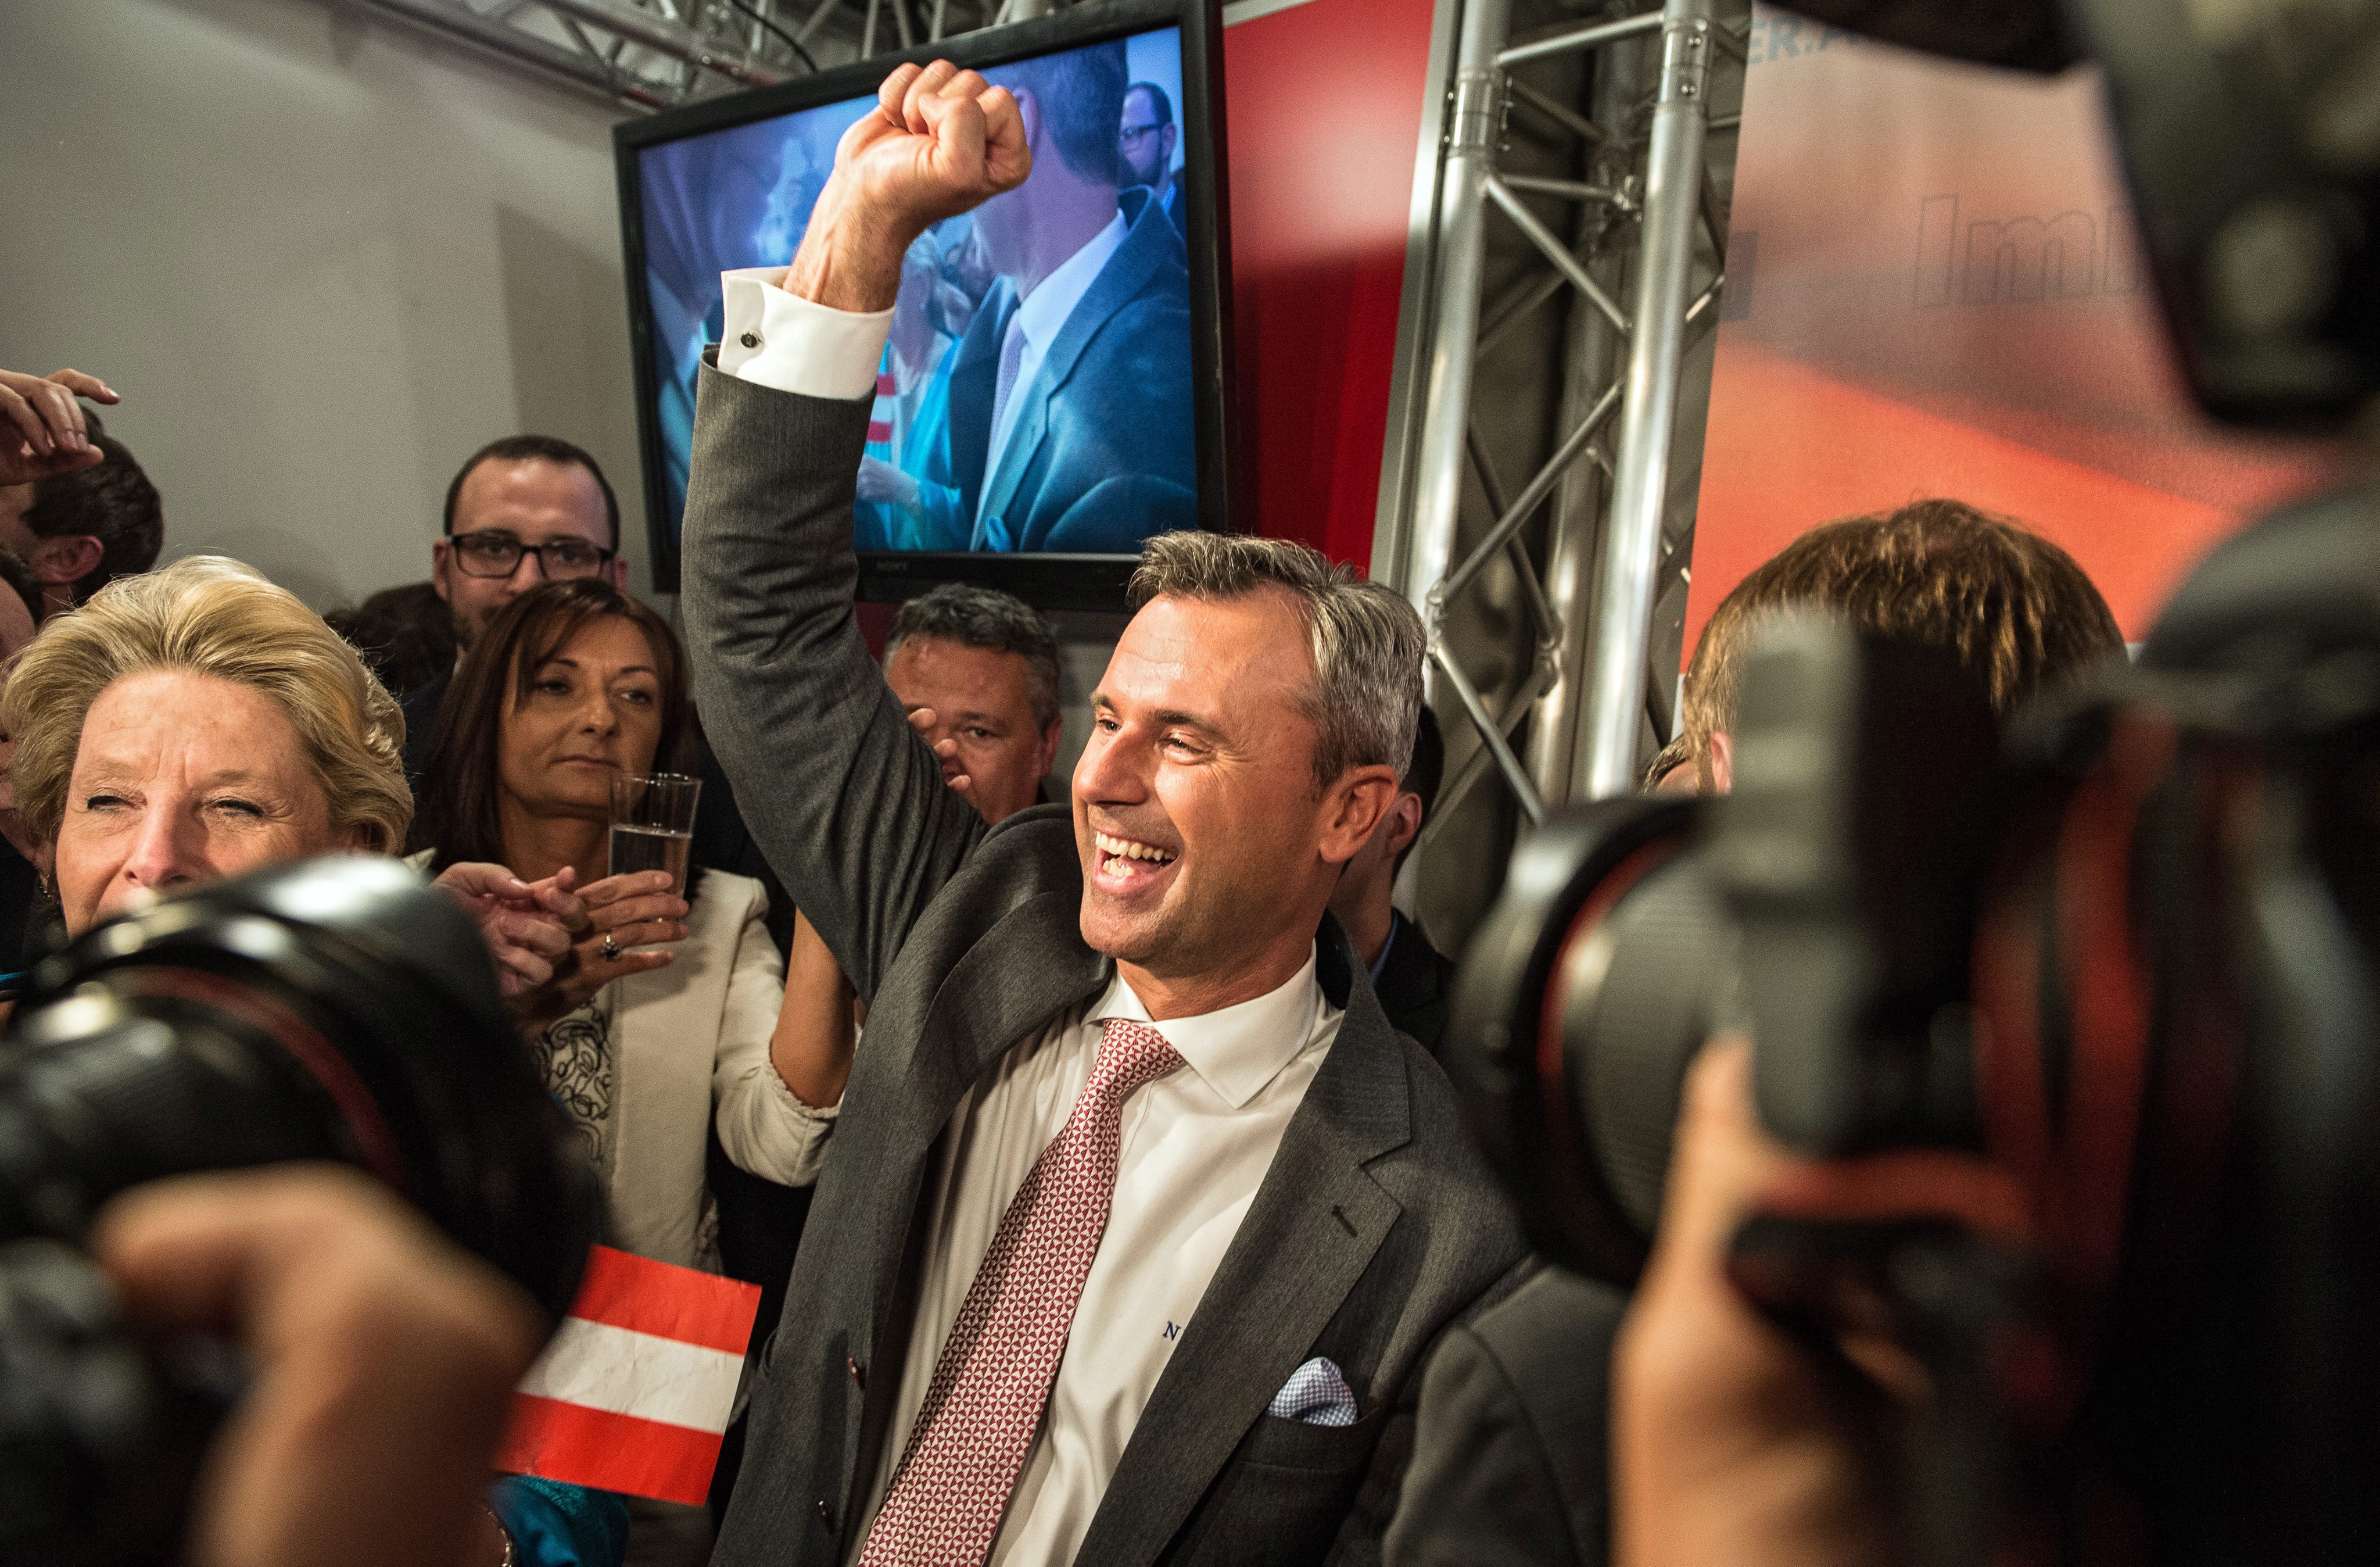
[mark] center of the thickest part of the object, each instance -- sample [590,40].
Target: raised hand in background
[41,428]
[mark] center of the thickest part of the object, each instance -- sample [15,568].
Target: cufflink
[751,340]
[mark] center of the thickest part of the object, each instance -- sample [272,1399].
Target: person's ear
[1169,139]
[1722,762]
[1406,818]
[67,558]
[1353,810]
[441,561]
[618,571]
[1028,110]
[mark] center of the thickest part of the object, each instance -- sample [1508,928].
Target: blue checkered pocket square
[1316,1394]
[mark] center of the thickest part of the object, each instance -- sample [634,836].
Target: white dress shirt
[1194,1145]
[782,341]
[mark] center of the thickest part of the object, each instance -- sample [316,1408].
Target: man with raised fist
[1139,1218]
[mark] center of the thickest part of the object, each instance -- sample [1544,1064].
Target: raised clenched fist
[940,141]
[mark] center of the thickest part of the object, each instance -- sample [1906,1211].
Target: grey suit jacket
[1376,1226]
[1512,1464]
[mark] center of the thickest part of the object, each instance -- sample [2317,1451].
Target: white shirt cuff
[780,340]
[792,1141]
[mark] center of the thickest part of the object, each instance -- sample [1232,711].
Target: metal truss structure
[659,53]
[1540,599]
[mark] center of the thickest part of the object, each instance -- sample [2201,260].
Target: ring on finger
[611,948]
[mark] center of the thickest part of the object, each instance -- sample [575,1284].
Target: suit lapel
[1027,970]
[1315,1222]
[966,441]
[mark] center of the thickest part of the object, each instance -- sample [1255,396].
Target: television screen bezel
[1050,582]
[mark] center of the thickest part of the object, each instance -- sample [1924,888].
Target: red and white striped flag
[633,1393]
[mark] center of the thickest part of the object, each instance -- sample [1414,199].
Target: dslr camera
[2123,962]
[334,1009]
[2120,963]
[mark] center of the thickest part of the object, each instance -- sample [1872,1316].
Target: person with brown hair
[2014,608]
[1140,1217]
[661,1028]
[74,504]
[1511,1460]
[573,684]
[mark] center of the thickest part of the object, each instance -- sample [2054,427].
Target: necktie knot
[1131,1055]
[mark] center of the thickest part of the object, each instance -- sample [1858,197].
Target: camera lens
[1579,1004]
[336,1009]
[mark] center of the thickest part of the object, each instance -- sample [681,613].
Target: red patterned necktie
[984,1402]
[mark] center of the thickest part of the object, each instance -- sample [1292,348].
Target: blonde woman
[196,723]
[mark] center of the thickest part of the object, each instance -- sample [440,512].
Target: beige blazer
[691,1040]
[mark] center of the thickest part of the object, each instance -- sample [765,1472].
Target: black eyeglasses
[1130,135]
[499,554]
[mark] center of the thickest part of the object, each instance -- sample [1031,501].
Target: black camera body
[337,1009]
[2125,962]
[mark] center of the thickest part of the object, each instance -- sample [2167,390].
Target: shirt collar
[1043,311]
[1236,1050]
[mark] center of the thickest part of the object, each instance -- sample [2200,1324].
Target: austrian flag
[635,1390]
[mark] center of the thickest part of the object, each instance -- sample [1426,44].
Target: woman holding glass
[572,686]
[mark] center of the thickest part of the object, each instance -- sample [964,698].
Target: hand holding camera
[382,1358]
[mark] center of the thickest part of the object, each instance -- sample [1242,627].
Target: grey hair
[986,618]
[1365,641]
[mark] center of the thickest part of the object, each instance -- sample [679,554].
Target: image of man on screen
[1069,426]
[1146,142]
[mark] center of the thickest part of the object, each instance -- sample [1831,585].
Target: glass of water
[652,824]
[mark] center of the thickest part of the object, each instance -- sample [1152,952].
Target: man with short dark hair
[977,671]
[80,531]
[1147,144]
[980,667]
[520,512]
[1413,979]
[1138,1217]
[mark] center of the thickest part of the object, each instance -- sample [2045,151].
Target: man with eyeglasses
[521,512]
[1146,143]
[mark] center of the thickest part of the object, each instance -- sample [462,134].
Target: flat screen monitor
[1056,388]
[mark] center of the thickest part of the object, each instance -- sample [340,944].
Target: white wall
[322,257]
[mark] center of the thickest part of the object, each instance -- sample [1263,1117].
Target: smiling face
[181,779]
[982,697]
[1209,852]
[593,710]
